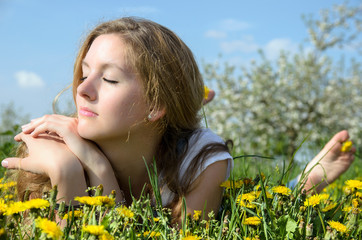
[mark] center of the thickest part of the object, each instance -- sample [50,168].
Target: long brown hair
[171,80]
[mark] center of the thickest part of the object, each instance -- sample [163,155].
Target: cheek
[132,106]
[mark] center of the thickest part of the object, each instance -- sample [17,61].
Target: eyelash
[105,79]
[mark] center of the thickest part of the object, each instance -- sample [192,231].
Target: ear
[156,114]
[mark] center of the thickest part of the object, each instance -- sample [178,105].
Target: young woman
[138,92]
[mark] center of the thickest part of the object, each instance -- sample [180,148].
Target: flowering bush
[270,105]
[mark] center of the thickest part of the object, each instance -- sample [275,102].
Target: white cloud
[245,45]
[215,34]
[272,48]
[142,10]
[233,25]
[27,79]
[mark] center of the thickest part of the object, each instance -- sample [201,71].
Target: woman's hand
[94,162]
[47,154]
[62,126]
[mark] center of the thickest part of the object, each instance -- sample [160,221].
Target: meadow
[257,204]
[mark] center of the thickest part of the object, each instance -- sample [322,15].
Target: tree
[11,116]
[271,106]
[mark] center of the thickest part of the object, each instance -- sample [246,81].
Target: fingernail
[4,163]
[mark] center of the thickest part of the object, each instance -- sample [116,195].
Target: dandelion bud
[301,226]
[328,235]
[226,220]
[352,218]
[346,147]
[99,190]
[53,195]
[61,207]
[113,194]
[309,230]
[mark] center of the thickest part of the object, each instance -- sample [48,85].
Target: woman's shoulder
[204,136]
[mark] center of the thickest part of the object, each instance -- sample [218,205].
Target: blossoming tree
[272,105]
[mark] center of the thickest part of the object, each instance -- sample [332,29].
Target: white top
[197,141]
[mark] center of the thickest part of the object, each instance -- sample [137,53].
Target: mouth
[86,112]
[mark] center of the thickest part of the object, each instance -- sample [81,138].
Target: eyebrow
[105,66]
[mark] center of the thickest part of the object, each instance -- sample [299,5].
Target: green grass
[249,197]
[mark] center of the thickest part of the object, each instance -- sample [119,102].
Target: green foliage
[251,209]
[7,145]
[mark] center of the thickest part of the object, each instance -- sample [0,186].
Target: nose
[87,89]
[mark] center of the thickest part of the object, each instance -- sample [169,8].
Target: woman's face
[110,98]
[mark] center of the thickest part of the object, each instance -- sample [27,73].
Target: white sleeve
[196,143]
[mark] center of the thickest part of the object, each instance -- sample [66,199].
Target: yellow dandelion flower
[14,208]
[8,196]
[355,202]
[282,190]
[206,92]
[196,215]
[347,209]
[96,201]
[96,230]
[2,231]
[37,203]
[156,219]
[249,196]
[232,184]
[50,228]
[7,185]
[151,234]
[329,207]
[353,184]
[75,214]
[106,236]
[125,212]
[312,200]
[246,199]
[191,237]
[358,194]
[324,196]
[250,238]
[3,206]
[346,147]
[338,226]
[17,207]
[252,221]
[268,195]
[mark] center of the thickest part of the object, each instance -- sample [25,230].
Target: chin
[85,133]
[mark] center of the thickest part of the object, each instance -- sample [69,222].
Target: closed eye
[83,78]
[110,81]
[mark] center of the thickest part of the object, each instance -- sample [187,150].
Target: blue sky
[40,38]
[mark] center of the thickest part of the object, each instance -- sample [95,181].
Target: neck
[129,157]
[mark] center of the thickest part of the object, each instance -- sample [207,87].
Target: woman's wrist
[65,178]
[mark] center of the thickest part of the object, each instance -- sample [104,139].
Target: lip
[83,111]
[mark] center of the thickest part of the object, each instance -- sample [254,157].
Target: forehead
[107,49]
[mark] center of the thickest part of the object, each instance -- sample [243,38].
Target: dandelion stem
[204,115]
[320,217]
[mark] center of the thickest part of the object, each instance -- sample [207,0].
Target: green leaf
[291,225]
[7,133]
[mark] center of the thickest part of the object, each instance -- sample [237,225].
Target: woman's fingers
[21,163]
[59,124]
[11,163]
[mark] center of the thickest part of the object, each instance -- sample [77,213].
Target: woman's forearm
[70,182]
